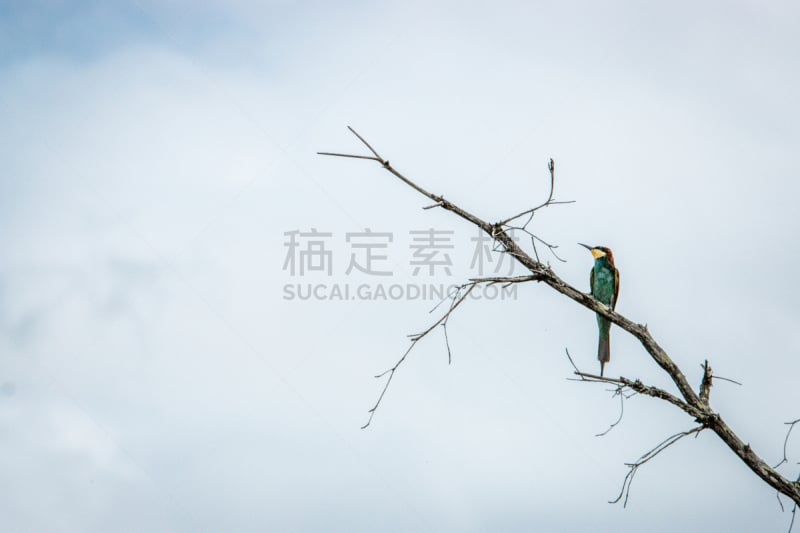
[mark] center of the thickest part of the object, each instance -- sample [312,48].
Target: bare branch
[634,467]
[360,138]
[571,361]
[534,238]
[507,281]
[691,402]
[617,392]
[456,299]
[794,509]
[728,380]
[705,385]
[551,166]
[647,390]
[349,155]
[415,338]
[786,441]
[531,212]
[447,343]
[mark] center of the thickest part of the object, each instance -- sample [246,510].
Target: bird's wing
[616,289]
[591,282]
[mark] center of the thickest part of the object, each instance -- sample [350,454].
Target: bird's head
[599,252]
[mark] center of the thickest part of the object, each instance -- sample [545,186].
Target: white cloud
[145,200]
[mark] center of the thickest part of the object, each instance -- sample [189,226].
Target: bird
[604,284]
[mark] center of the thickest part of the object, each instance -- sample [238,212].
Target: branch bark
[691,402]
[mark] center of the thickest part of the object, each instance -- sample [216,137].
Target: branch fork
[696,404]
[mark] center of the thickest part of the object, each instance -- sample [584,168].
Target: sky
[160,371]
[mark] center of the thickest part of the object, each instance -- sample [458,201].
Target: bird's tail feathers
[603,352]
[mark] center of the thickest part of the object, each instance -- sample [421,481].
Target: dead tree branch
[705,385]
[636,387]
[551,166]
[786,441]
[619,391]
[794,506]
[689,401]
[456,298]
[634,467]
[647,390]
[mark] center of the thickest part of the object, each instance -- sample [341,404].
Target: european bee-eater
[604,283]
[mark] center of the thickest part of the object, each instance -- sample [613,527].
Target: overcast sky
[155,376]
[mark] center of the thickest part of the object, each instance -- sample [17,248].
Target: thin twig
[531,212]
[447,317]
[621,384]
[349,155]
[447,343]
[728,380]
[571,361]
[455,300]
[633,467]
[551,166]
[786,441]
[534,238]
[506,280]
[414,339]
[617,392]
[360,138]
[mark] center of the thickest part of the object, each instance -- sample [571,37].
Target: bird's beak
[585,246]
